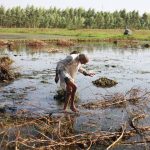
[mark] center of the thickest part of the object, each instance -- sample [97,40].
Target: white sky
[104,5]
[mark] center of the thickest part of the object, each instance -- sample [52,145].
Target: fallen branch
[119,139]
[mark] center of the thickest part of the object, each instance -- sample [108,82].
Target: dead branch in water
[56,133]
[134,96]
[119,139]
[50,133]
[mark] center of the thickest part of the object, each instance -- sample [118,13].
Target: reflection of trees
[82,47]
[105,46]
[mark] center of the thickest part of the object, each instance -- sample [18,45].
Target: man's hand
[91,74]
[56,79]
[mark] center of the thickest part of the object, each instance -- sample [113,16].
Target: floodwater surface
[36,88]
[129,67]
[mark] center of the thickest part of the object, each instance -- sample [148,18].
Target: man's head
[83,59]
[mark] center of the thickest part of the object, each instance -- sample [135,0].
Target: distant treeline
[70,18]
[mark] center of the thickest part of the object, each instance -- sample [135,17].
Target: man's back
[70,64]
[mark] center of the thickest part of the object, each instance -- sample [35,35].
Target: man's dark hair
[74,52]
[83,57]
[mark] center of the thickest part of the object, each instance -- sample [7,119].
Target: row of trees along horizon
[71,18]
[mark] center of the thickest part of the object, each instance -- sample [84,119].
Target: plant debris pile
[119,100]
[65,43]
[36,43]
[104,82]
[6,71]
[3,42]
[6,60]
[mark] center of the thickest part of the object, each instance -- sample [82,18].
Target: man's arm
[84,72]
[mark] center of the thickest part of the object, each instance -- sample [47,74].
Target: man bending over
[66,71]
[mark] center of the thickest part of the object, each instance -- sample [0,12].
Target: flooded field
[35,89]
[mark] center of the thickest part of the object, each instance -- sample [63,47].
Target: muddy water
[36,88]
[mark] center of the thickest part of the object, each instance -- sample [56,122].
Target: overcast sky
[104,5]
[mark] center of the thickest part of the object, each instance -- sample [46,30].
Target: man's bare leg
[68,96]
[72,99]
[71,90]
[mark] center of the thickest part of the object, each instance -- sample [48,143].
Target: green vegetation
[65,32]
[91,34]
[78,18]
[74,23]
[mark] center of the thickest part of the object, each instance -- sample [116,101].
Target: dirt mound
[104,82]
